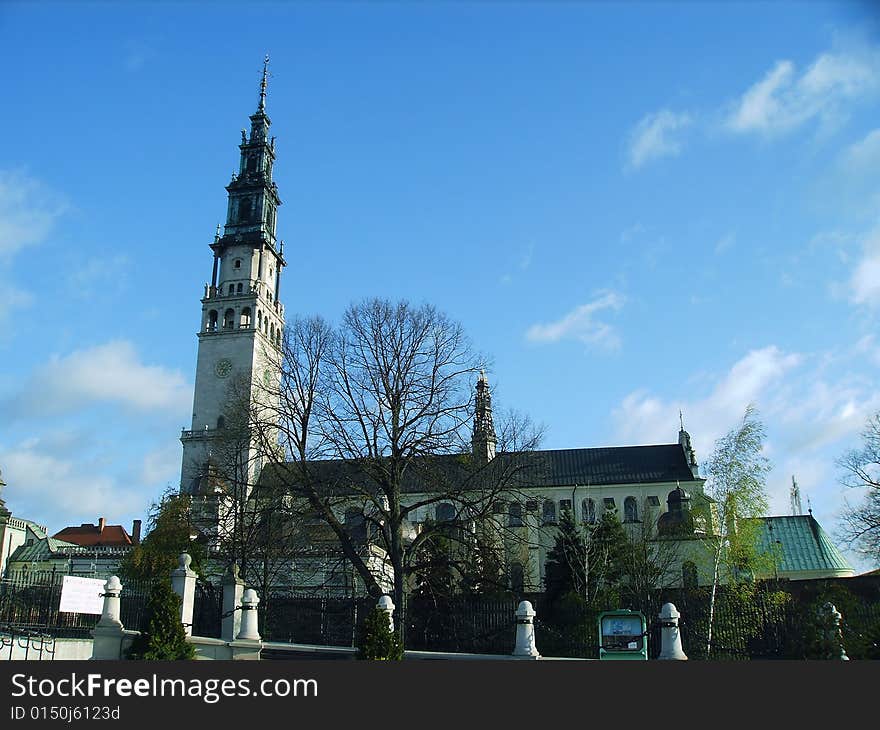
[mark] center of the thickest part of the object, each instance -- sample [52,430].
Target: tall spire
[483,438]
[263,83]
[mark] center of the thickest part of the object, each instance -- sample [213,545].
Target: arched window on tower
[549,512]
[259,319]
[244,210]
[588,512]
[229,319]
[245,318]
[238,289]
[221,421]
[630,510]
[211,326]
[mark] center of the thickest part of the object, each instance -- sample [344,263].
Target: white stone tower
[242,317]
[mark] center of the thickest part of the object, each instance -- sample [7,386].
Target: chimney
[101,523]
[136,532]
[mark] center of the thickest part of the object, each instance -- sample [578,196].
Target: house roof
[664,463]
[38,550]
[804,544]
[89,535]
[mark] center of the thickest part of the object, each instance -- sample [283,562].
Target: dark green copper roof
[804,545]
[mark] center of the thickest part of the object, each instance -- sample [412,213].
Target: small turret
[483,438]
[684,439]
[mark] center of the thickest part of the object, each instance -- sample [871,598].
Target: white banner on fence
[82,595]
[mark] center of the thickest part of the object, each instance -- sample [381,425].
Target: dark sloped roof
[804,545]
[664,463]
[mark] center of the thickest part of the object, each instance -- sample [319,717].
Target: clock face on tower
[223,367]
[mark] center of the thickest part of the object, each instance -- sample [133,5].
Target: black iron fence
[29,602]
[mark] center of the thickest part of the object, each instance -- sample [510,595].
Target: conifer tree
[378,640]
[164,637]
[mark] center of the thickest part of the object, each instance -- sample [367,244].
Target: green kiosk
[622,635]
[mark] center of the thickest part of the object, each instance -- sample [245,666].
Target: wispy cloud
[582,324]
[783,99]
[864,284]
[108,373]
[725,242]
[28,211]
[519,263]
[656,135]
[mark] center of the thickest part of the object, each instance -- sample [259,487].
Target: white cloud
[108,373]
[656,135]
[28,211]
[162,465]
[782,100]
[863,156]
[864,284]
[581,324]
[810,416]
[62,491]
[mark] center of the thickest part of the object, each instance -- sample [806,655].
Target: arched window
[237,264]
[245,317]
[238,289]
[221,421]
[356,524]
[630,510]
[444,512]
[244,210]
[588,512]
[688,574]
[517,578]
[229,319]
[514,514]
[212,321]
[549,512]
[259,319]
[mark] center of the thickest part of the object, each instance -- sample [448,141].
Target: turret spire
[483,438]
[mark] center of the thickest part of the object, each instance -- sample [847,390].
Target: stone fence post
[183,581]
[670,637]
[233,589]
[249,617]
[525,632]
[387,605]
[109,631]
[832,636]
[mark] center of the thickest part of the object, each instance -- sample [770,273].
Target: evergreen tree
[164,637]
[377,640]
[567,566]
[169,534]
[608,547]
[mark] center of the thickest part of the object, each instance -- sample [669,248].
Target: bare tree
[860,524]
[374,418]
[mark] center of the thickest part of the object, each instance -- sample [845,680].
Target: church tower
[242,317]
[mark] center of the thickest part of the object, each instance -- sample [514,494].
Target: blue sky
[632,208]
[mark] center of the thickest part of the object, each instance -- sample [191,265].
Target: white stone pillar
[183,581]
[387,605]
[525,632]
[670,637]
[249,618]
[233,589]
[108,632]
